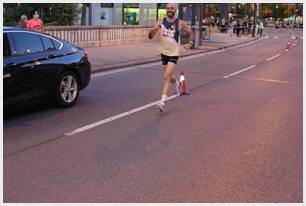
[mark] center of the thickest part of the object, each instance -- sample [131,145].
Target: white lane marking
[114,71]
[118,116]
[150,65]
[240,71]
[266,80]
[201,55]
[273,57]
[181,59]
[275,37]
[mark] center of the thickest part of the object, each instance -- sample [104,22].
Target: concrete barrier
[97,36]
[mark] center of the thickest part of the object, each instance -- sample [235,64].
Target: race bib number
[168,32]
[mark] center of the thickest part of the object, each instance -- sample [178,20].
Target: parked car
[38,66]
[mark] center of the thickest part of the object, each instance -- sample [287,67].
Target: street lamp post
[254,21]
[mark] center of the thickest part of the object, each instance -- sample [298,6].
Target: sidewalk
[107,58]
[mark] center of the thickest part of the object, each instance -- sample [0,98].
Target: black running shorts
[165,59]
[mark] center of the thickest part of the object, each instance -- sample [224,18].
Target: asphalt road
[238,137]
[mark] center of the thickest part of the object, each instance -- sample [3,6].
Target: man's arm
[188,29]
[157,26]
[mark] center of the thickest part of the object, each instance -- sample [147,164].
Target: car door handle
[11,64]
[8,75]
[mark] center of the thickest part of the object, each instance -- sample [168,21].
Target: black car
[38,66]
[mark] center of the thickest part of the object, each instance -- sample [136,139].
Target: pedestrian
[261,27]
[231,28]
[170,28]
[257,28]
[234,26]
[238,28]
[245,25]
[250,27]
[22,22]
[35,23]
[223,25]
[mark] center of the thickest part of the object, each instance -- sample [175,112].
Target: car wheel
[67,89]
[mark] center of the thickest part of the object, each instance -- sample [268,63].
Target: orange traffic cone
[183,84]
[288,45]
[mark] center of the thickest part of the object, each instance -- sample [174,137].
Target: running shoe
[161,106]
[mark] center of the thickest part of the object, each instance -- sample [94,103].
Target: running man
[170,28]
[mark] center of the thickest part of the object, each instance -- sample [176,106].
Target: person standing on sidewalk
[170,28]
[35,23]
[23,22]
[234,26]
[238,28]
[261,27]
[231,28]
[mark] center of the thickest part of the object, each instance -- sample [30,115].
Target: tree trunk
[83,20]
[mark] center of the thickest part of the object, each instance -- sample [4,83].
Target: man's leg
[168,78]
[173,78]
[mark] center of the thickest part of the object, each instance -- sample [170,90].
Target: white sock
[177,83]
[163,99]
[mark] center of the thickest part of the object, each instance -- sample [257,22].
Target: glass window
[48,44]
[6,46]
[161,10]
[187,13]
[26,43]
[57,44]
[107,5]
[131,14]
[148,17]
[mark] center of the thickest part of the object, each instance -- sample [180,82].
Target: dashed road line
[238,72]
[265,80]
[114,71]
[118,116]
[124,114]
[273,57]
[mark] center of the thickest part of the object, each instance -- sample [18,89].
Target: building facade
[143,14]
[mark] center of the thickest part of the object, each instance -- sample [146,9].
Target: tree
[13,12]
[289,10]
[84,7]
[213,10]
[60,14]
[64,14]
[266,12]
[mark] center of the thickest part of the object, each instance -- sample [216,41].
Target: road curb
[152,60]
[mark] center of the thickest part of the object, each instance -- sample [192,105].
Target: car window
[26,43]
[57,44]
[48,44]
[6,46]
